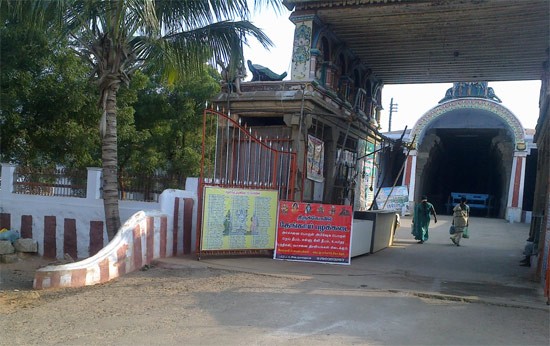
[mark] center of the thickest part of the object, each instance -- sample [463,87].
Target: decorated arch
[503,113]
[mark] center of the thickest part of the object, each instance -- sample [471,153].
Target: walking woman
[421,220]
[461,214]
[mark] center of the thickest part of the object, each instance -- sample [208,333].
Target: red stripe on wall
[5,220]
[50,248]
[96,237]
[39,277]
[78,277]
[163,235]
[121,259]
[137,248]
[69,238]
[408,176]
[150,239]
[175,230]
[55,279]
[104,270]
[187,224]
[517,181]
[26,226]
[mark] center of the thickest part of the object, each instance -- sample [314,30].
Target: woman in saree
[461,215]
[421,220]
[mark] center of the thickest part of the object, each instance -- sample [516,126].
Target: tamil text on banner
[314,232]
[398,199]
[315,158]
[238,219]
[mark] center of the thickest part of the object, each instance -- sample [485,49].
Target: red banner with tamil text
[314,232]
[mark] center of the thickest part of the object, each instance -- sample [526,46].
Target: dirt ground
[207,306]
[106,314]
[258,301]
[16,283]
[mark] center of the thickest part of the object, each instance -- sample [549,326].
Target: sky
[521,98]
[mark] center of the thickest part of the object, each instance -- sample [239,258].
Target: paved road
[485,267]
[410,294]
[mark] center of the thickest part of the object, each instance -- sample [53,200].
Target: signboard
[238,219]
[314,233]
[315,159]
[399,198]
[366,186]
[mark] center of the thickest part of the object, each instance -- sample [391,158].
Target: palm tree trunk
[110,157]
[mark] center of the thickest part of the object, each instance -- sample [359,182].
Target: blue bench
[474,200]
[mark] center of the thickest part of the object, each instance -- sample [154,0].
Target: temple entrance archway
[469,145]
[475,161]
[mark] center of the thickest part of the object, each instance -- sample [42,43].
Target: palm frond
[175,37]
[188,51]
[177,16]
[39,14]
[276,5]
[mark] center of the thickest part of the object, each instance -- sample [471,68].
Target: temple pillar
[331,147]
[409,176]
[331,77]
[302,189]
[301,52]
[515,190]
[316,56]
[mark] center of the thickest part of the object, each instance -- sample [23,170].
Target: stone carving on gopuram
[473,95]
[470,89]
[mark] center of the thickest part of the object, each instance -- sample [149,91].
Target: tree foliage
[117,38]
[48,109]
[169,119]
[50,114]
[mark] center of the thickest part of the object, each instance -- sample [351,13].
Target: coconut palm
[118,37]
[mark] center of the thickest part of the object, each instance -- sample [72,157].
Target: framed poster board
[238,219]
[314,232]
[398,199]
[315,159]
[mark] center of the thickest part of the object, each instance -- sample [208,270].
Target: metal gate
[233,156]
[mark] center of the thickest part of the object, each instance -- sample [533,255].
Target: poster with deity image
[315,159]
[238,219]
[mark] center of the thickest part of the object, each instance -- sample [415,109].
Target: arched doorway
[470,145]
[476,159]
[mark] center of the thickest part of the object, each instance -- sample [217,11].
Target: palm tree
[118,37]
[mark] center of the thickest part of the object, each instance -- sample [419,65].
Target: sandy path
[204,306]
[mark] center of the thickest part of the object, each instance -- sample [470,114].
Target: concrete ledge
[141,239]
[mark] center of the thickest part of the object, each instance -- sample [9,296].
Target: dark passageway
[476,161]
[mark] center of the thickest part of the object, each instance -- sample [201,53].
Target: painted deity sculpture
[470,89]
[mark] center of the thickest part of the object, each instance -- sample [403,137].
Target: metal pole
[288,173]
[269,182]
[227,122]
[266,160]
[237,176]
[216,149]
[393,108]
[249,161]
[305,143]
